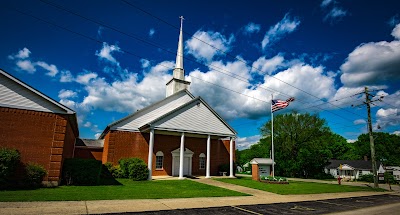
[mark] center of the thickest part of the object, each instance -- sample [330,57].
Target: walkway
[121,206]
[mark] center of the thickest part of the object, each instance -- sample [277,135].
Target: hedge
[78,171]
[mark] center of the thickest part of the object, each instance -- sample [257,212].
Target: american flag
[279,104]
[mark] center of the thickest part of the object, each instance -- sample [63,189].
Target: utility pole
[368,103]
[371,138]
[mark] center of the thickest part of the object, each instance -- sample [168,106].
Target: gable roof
[193,117]
[265,161]
[173,114]
[16,94]
[356,164]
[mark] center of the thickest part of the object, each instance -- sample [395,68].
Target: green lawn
[128,190]
[295,187]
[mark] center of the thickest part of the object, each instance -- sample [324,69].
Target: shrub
[78,171]
[389,178]
[9,160]
[367,178]
[34,174]
[133,168]
[226,168]
[323,175]
[115,171]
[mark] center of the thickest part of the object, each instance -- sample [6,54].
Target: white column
[150,157]
[181,156]
[208,157]
[231,158]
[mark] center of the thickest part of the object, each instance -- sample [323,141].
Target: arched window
[159,160]
[202,159]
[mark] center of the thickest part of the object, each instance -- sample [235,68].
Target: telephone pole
[371,138]
[368,103]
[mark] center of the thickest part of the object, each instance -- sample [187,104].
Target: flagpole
[272,138]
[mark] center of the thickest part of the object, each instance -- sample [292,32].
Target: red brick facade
[88,153]
[42,138]
[123,144]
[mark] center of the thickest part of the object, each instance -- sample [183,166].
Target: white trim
[176,155]
[231,158]
[150,156]
[208,157]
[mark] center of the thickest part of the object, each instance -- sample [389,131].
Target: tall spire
[178,83]
[179,54]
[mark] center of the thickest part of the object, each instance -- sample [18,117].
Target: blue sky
[107,59]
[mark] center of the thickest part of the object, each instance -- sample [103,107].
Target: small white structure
[261,167]
[351,169]
[395,170]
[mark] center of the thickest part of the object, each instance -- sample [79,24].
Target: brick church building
[180,135]
[41,129]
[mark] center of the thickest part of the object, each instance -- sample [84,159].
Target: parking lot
[306,207]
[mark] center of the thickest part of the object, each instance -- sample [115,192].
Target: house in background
[40,128]
[351,169]
[394,170]
[177,136]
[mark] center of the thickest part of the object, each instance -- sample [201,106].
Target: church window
[202,159]
[159,160]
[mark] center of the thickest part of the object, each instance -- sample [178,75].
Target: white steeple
[178,83]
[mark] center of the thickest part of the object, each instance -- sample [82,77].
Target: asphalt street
[340,205]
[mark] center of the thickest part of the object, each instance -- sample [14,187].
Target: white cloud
[326,3]
[206,52]
[359,122]
[85,78]
[87,125]
[396,32]
[246,142]
[252,28]
[64,94]
[105,53]
[268,66]
[22,54]
[396,133]
[97,135]
[372,64]
[151,32]
[394,20]
[26,65]
[51,68]
[335,14]
[351,140]
[145,63]
[66,76]
[286,26]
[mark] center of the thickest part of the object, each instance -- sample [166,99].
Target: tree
[300,145]
[387,147]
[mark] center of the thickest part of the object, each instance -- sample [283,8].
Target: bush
[34,174]
[115,171]
[133,168]
[226,168]
[389,178]
[9,160]
[78,171]
[367,178]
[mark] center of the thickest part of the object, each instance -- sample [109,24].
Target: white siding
[153,112]
[194,118]
[13,95]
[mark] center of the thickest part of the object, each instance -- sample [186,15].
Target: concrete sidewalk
[120,206]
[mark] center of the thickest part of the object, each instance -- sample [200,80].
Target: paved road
[365,205]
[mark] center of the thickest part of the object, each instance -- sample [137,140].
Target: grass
[296,187]
[128,190]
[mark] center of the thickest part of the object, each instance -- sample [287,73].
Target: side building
[40,128]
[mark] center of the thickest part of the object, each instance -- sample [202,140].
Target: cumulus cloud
[267,66]
[252,28]
[86,77]
[359,122]
[26,65]
[372,63]
[66,76]
[52,69]
[22,54]
[396,32]
[64,94]
[246,142]
[106,51]
[206,52]
[326,3]
[286,26]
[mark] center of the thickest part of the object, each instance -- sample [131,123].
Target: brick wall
[254,172]
[89,153]
[122,144]
[42,138]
